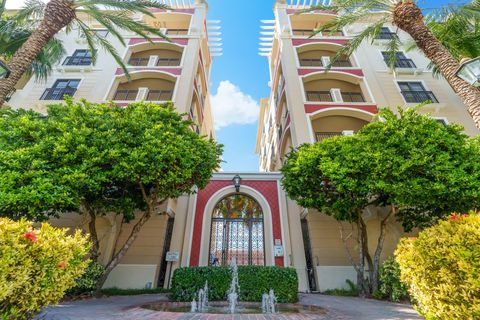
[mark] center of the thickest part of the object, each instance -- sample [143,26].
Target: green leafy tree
[98,159]
[407,16]
[113,15]
[409,166]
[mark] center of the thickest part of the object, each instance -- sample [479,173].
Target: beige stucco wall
[151,83]
[161,53]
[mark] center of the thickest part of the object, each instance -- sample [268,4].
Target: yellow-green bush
[442,268]
[37,266]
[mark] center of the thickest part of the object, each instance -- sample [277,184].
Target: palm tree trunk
[408,17]
[57,14]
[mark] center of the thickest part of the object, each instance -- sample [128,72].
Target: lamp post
[4,71]
[236,182]
[469,71]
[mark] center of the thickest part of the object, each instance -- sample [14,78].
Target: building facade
[177,70]
[253,219]
[307,104]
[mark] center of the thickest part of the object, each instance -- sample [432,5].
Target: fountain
[202,304]
[268,302]
[234,287]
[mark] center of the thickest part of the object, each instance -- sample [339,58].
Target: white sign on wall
[172,256]
[278,250]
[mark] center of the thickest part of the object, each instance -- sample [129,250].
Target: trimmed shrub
[37,266]
[391,287]
[253,281]
[442,268]
[87,283]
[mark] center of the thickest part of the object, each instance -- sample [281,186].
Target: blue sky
[240,77]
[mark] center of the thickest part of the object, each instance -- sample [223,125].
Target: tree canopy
[100,158]
[416,168]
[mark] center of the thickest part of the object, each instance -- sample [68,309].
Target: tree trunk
[378,251]
[92,229]
[366,252]
[362,288]
[57,15]
[408,17]
[120,254]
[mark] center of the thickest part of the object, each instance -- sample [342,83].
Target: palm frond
[370,32]
[43,65]
[32,11]
[130,6]
[393,46]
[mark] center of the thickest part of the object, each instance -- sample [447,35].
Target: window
[60,88]
[414,92]
[386,34]
[79,58]
[101,33]
[401,60]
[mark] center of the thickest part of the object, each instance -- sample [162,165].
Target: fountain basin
[243,308]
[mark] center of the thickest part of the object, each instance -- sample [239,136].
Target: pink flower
[31,236]
[62,265]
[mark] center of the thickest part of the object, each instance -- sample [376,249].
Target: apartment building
[307,104]
[160,70]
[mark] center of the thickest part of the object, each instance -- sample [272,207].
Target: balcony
[138,62]
[320,136]
[168,62]
[419,96]
[319,96]
[352,97]
[322,62]
[310,32]
[177,32]
[143,94]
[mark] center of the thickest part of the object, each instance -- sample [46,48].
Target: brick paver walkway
[127,308]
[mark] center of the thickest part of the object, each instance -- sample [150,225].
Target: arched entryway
[237,230]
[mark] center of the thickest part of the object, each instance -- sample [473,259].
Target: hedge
[253,281]
[442,268]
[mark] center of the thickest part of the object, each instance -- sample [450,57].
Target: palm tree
[458,29]
[13,35]
[113,15]
[407,16]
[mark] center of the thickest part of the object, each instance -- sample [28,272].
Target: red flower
[455,217]
[30,236]
[62,265]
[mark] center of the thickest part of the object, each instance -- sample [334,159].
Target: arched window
[237,231]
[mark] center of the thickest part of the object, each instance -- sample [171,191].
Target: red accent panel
[310,108]
[356,72]
[174,71]
[298,42]
[267,188]
[180,41]
[191,11]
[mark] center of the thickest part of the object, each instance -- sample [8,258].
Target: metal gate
[237,231]
[166,247]
[308,256]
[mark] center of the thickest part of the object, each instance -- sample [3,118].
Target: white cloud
[232,106]
[15,4]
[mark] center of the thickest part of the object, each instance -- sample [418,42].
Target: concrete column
[294,88]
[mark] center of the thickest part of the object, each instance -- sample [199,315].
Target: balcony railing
[159,95]
[342,63]
[77,61]
[311,63]
[177,32]
[126,95]
[352,97]
[168,62]
[419,96]
[138,61]
[57,94]
[309,32]
[319,96]
[320,136]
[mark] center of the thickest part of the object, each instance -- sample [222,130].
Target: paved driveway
[112,308]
